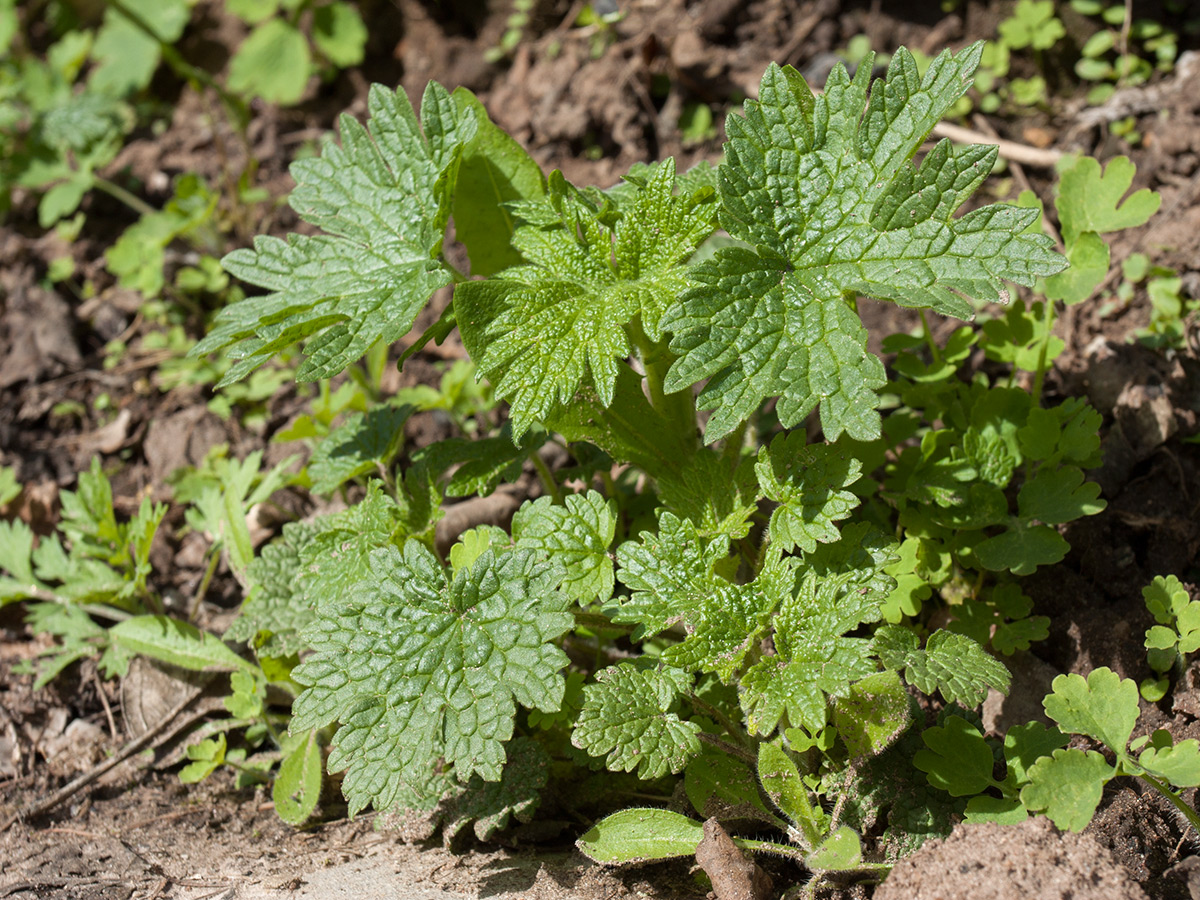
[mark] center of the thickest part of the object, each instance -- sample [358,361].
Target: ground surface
[138,833]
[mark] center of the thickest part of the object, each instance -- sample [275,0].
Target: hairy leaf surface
[951,663]
[382,197]
[577,535]
[560,319]
[808,484]
[671,577]
[418,667]
[628,717]
[824,191]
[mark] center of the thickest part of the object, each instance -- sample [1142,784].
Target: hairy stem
[737,752]
[727,723]
[935,352]
[679,408]
[1048,313]
[1174,799]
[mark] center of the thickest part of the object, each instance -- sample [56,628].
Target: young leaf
[272,63]
[206,757]
[338,556]
[874,712]
[823,189]
[495,171]
[628,716]
[363,443]
[1021,548]
[781,780]
[339,33]
[957,759]
[671,580]
[1178,764]
[177,643]
[383,197]
[578,535]
[830,593]
[562,316]
[1090,200]
[807,482]
[639,835]
[418,667]
[126,55]
[839,852]
[1165,598]
[297,788]
[1067,786]
[1104,707]
[950,663]
[275,609]
[1056,495]
[16,551]
[1025,744]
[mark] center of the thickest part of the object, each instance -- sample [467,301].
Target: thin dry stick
[112,724]
[1010,150]
[73,787]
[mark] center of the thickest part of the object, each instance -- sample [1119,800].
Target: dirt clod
[733,876]
[1010,862]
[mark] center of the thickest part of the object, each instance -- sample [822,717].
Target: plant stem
[547,477]
[214,557]
[737,752]
[114,190]
[770,847]
[679,408]
[935,353]
[1048,314]
[1175,800]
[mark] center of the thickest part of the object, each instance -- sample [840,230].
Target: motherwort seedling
[730,576]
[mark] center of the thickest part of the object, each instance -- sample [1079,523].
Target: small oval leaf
[640,834]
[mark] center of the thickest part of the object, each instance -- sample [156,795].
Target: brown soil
[601,101]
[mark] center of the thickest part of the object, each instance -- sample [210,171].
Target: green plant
[1041,775]
[1176,635]
[752,577]
[275,60]
[513,33]
[1032,25]
[90,586]
[1111,55]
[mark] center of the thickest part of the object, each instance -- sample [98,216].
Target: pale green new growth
[824,191]
[823,597]
[1067,786]
[628,717]
[592,268]
[1104,707]
[671,580]
[416,668]
[383,198]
